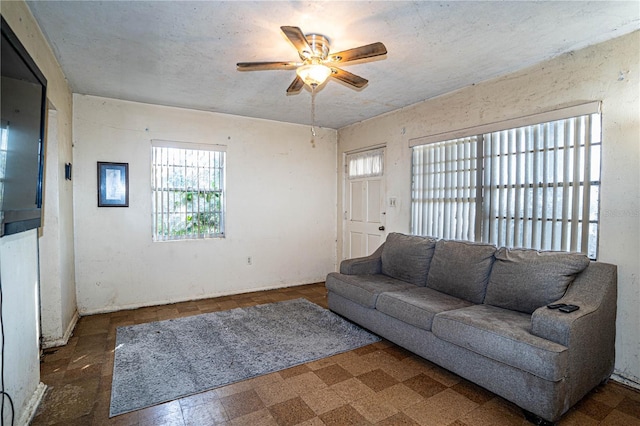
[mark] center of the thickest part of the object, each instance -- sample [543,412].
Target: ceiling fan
[318,63]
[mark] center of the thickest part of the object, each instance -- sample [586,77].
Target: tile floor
[379,384]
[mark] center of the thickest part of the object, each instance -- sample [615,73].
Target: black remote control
[556,305]
[569,308]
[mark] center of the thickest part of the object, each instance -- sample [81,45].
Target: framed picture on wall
[113,184]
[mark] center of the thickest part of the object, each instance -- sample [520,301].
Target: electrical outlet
[249,261]
[393,202]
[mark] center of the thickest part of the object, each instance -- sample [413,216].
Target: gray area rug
[165,360]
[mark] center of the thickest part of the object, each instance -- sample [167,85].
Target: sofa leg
[537,420]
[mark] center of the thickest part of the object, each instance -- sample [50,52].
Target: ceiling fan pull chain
[313,116]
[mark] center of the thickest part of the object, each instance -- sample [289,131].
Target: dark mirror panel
[21,137]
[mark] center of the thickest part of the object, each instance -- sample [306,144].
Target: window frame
[488,187]
[219,169]
[365,164]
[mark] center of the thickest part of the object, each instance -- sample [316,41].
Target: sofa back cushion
[407,257]
[461,269]
[524,280]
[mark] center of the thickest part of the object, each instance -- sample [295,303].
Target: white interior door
[365,211]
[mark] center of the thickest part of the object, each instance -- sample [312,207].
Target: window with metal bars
[188,195]
[534,186]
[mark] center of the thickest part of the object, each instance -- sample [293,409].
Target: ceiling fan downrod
[313,116]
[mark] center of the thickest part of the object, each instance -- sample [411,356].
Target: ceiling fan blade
[297,38]
[347,77]
[362,52]
[261,66]
[295,86]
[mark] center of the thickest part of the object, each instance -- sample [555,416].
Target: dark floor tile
[333,374]
[366,350]
[294,371]
[48,367]
[94,324]
[91,343]
[594,409]
[424,385]
[377,380]
[291,412]
[342,416]
[397,352]
[475,393]
[399,419]
[58,353]
[630,406]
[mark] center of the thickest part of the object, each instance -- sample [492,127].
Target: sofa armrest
[595,292]
[367,265]
[588,333]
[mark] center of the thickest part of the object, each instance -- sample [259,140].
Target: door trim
[345,193]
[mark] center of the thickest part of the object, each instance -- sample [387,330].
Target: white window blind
[366,164]
[187,191]
[536,186]
[445,189]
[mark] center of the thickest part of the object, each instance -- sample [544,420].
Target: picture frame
[113,184]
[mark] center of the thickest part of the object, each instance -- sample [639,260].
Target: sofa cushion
[461,269]
[503,336]
[363,289]
[407,257]
[417,306]
[524,280]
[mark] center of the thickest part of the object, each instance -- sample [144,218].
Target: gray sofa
[481,312]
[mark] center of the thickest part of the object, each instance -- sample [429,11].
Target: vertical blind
[445,189]
[187,191]
[533,186]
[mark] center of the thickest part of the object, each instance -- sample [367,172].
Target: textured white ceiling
[184,53]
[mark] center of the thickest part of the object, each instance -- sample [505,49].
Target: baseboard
[32,406]
[625,381]
[46,344]
[84,312]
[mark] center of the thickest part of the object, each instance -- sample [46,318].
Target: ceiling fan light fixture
[313,74]
[317,63]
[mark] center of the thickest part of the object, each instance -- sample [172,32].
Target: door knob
[381,228]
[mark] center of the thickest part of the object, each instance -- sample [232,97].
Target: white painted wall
[608,72]
[57,273]
[19,284]
[281,207]
[20,253]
